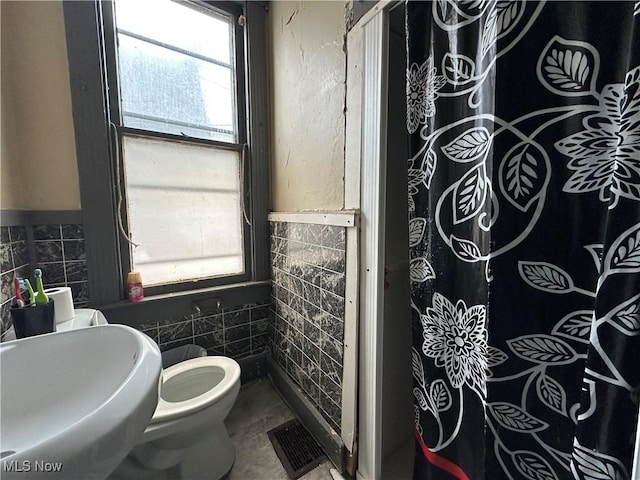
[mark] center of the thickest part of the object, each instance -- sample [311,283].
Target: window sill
[175,305]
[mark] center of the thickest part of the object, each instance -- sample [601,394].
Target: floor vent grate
[296,448]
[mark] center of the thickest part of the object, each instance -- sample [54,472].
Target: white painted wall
[308,66]
[38,156]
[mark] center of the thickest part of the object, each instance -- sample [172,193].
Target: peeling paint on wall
[308,88]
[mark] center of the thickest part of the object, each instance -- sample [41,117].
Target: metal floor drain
[296,448]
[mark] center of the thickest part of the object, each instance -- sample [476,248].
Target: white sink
[74,403]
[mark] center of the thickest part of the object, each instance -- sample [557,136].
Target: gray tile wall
[58,250]
[14,261]
[235,332]
[308,274]
[60,254]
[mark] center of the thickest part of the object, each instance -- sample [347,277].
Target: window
[183,208]
[177,68]
[182,136]
[179,89]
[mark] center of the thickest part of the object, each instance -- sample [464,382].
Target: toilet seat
[215,376]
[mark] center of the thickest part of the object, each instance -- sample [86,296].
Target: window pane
[187,27]
[184,210]
[172,79]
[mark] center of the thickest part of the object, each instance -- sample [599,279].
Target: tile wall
[235,332]
[60,254]
[308,274]
[59,251]
[14,261]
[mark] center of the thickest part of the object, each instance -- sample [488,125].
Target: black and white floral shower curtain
[524,189]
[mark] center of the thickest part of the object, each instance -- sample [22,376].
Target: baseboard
[326,436]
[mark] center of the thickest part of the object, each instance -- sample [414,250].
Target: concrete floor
[260,408]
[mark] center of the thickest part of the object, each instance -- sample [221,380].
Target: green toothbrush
[27,284]
[41,297]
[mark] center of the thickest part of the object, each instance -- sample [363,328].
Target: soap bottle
[41,297]
[135,292]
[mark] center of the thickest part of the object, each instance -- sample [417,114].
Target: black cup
[33,320]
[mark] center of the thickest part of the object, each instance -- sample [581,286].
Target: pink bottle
[135,292]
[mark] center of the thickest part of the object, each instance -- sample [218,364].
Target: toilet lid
[194,384]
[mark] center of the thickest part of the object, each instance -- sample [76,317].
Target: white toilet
[186,438]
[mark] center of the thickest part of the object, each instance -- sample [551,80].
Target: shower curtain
[524,198]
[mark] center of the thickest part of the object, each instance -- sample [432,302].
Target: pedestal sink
[74,403]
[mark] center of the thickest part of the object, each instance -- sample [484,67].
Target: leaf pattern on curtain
[524,206]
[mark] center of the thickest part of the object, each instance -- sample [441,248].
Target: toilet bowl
[186,437]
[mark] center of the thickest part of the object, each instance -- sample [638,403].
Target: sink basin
[74,403]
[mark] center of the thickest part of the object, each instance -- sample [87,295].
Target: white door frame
[373,163]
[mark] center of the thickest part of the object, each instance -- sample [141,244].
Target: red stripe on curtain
[441,462]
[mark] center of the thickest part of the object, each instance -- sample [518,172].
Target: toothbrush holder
[33,320]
